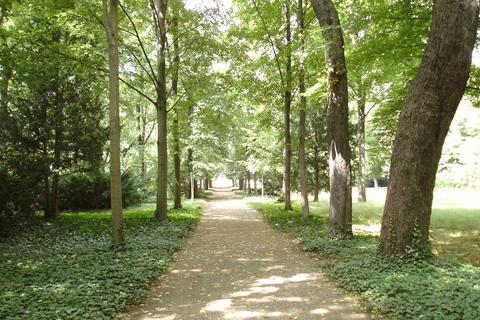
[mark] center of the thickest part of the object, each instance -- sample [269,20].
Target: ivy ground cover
[67,268]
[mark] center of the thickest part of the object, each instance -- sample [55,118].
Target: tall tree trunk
[362,184]
[429,108]
[316,151]
[249,186]
[159,10]
[288,103]
[190,169]
[141,129]
[176,131]
[46,194]
[59,105]
[110,20]
[255,183]
[303,107]
[340,217]
[316,168]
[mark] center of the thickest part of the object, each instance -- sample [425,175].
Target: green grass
[455,221]
[68,269]
[392,288]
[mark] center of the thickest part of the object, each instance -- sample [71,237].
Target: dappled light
[236,267]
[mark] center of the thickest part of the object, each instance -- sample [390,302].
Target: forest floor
[235,266]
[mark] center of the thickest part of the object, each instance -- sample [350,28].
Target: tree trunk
[255,184]
[240,184]
[249,185]
[429,108]
[316,168]
[288,103]
[46,195]
[362,184]
[176,132]
[111,27]
[316,151]
[54,195]
[303,106]
[159,9]
[192,178]
[340,217]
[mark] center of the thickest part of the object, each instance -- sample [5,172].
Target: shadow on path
[236,267]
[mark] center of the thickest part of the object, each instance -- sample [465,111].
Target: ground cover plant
[394,288]
[67,269]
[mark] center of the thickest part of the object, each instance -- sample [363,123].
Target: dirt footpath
[236,267]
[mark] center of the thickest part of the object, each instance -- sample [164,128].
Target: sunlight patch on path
[236,267]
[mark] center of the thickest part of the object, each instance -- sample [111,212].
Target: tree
[303,106]
[340,216]
[43,134]
[159,12]
[110,22]
[429,108]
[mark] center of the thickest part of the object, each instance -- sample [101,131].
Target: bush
[83,191]
[17,202]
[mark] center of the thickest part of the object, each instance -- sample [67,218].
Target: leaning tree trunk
[340,217]
[111,28]
[429,108]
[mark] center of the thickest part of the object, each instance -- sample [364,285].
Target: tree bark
[110,20]
[288,103]
[429,108]
[340,216]
[362,184]
[316,152]
[176,132]
[303,106]
[159,10]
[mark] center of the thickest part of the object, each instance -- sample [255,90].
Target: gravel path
[236,267]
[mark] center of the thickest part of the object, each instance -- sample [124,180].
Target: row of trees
[382,57]
[256,89]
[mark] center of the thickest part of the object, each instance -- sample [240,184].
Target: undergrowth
[68,269]
[392,288]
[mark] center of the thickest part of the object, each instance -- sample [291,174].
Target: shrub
[17,202]
[83,191]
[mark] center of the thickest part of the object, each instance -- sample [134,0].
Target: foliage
[67,269]
[84,191]
[51,105]
[394,288]
[19,201]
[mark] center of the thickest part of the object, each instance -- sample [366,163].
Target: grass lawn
[67,268]
[455,223]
